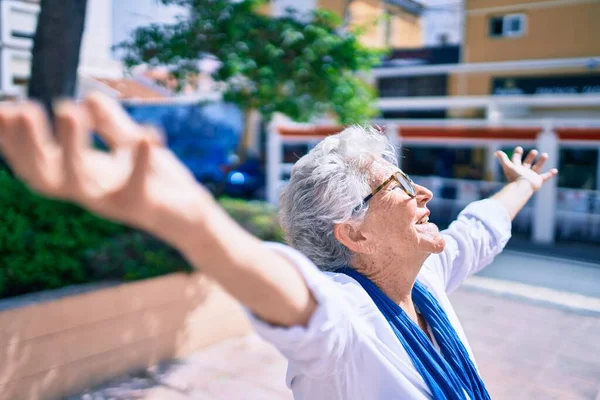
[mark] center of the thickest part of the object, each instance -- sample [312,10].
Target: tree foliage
[299,65]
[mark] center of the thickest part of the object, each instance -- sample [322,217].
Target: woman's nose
[424,195]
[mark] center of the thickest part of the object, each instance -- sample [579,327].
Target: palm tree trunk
[56,49]
[248,138]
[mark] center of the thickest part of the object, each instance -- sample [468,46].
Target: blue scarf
[448,377]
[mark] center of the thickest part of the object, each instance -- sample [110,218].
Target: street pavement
[524,351]
[557,273]
[530,351]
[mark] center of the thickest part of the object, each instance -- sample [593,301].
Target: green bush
[132,256]
[257,217]
[47,244]
[42,242]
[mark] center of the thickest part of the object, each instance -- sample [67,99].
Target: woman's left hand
[528,169]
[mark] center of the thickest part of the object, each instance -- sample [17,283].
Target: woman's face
[397,222]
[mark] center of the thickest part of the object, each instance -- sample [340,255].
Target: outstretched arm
[142,184]
[484,227]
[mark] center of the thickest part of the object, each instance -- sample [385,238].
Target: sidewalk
[576,251]
[524,351]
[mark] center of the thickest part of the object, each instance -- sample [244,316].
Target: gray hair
[327,187]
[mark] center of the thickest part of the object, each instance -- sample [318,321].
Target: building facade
[442,22]
[18,22]
[99,69]
[548,47]
[516,48]
[387,23]
[527,73]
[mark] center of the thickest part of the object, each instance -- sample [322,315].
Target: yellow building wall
[405,28]
[406,31]
[368,15]
[265,9]
[335,6]
[568,29]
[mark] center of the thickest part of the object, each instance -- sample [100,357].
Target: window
[19,22]
[23,20]
[20,81]
[578,168]
[20,65]
[416,114]
[22,35]
[511,25]
[446,162]
[293,152]
[16,71]
[427,85]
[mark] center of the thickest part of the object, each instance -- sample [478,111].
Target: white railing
[487,123]
[497,66]
[487,102]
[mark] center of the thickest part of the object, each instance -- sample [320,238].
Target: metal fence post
[544,214]
[274,158]
[392,132]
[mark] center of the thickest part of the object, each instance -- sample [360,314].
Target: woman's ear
[353,238]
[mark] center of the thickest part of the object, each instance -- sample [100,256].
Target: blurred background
[241,89]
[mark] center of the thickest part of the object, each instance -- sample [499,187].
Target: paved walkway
[524,351]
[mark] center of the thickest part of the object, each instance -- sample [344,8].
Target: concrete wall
[51,349]
[96,54]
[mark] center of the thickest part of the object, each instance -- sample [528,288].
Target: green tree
[299,65]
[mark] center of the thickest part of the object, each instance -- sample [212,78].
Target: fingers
[7,126]
[8,133]
[141,168]
[111,121]
[517,155]
[132,195]
[153,135]
[35,123]
[537,167]
[28,146]
[36,147]
[546,176]
[502,157]
[73,137]
[530,158]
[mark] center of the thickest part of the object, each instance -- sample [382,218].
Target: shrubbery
[47,244]
[42,242]
[257,217]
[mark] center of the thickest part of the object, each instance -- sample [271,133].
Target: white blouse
[348,350]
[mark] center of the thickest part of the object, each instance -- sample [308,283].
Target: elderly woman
[358,304]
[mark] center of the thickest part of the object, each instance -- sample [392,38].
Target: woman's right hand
[139,182]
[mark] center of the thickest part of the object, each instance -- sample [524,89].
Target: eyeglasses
[403,181]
